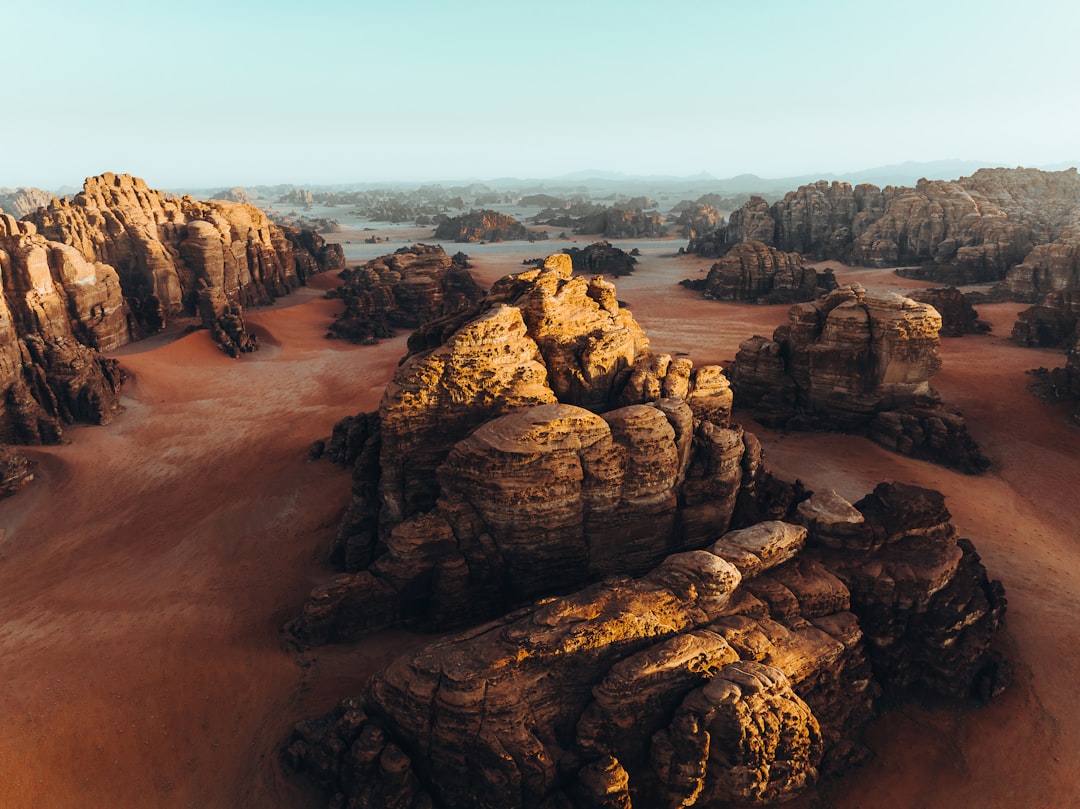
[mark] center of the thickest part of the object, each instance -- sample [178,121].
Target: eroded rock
[860,362]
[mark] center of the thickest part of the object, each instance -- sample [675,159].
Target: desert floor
[145,573]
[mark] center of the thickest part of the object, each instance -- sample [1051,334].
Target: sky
[208,93]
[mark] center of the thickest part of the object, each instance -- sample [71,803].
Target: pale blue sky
[218,93]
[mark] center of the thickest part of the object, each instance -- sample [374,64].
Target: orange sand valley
[145,572]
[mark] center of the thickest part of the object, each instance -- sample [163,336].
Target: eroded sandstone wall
[729,676]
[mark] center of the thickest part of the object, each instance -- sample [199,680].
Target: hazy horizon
[207,95]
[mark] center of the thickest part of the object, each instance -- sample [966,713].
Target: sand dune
[144,575]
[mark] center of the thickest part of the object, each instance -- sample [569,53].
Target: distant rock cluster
[859,362]
[970,230]
[117,262]
[413,286]
[481,226]
[754,272]
[726,634]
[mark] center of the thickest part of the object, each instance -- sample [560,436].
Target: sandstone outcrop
[481,226]
[20,201]
[622,223]
[411,287]
[538,445]
[971,230]
[165,249]
[854,361]
[958,316]
[601,258]
[56,308]
[735,675]
[752,271]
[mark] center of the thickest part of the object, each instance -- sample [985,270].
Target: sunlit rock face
[56,309]
[860,362]
[168,251]
[540,446]
[734,675]
[974,229]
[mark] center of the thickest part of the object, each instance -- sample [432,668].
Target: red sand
[145,573]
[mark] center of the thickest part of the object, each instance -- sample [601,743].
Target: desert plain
[146,572]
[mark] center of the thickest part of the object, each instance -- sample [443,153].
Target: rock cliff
[20,201]
[974,229]
[411,287]
[854,361]
[734,675]
[169,251]
[752,271]
[538,445]
[481,226]
[56,309]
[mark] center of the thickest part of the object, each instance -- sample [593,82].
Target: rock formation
[958,316]
[20,201]
[622,223]
[696,219]
[56,308]
[412,286]
[970,230]
[753,271]
[16,470]
[481,226]
[854,361]
[167,251]
[525,447]
[601,258]
[735,675]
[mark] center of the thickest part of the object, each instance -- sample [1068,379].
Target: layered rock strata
[539,446]
[735,675]
[970,230]
[752,271]
[412,286]
[859,362]
[165,250]
[481,226]
[56,309]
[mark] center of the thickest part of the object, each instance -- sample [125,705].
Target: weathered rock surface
[20,201]
[601,258]
[854,361]
[753,271]
[958,316]
[16,470]
[481,226]
[970,230]
[706,682]
[540,446]
[413,286]
[166,249]
[56,308]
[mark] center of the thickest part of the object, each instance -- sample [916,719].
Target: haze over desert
[141,616]
[561,406]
